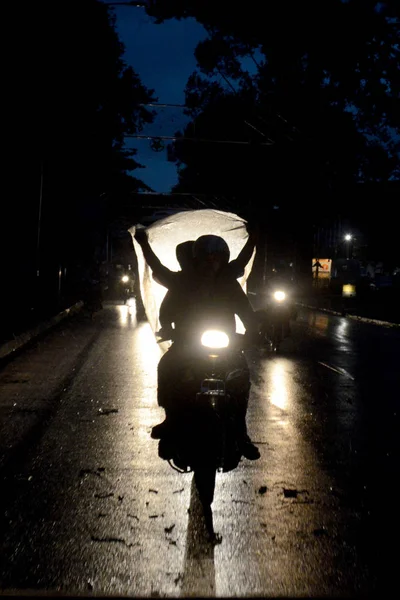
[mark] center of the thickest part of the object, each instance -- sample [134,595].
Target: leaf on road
[153,491]
[169,529]
[104,495]
[108,540]
[320,531]
[178,579]
[289,493]
[293,493]
[84,472]
[263,489]
[107,411]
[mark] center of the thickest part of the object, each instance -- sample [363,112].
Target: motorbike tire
[204,478]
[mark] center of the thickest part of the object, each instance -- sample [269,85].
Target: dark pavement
[87,506]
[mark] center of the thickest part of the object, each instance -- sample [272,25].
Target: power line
[188,204]
[245,122]
[189,139]
[258,116]
[163,104]
[138,4]
[193,194]
[130,3]
[169,105]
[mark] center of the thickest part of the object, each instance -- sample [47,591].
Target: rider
[283,281]
[208,295]
[184,255]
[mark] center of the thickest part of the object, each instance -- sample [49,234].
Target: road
[87,506]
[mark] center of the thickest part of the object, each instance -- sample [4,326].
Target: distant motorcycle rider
[209,296]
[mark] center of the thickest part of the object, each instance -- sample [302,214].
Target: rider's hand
[141,235]
[253,230]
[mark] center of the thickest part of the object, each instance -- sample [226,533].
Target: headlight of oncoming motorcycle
[279,296]
[215,339]
[125,279]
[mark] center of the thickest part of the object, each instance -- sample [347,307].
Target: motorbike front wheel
[204,478]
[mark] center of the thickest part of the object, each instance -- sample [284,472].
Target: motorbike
[275,319]
[127,287]
[205,439]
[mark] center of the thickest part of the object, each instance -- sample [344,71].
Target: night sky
[162,55]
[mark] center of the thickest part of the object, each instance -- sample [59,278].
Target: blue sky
[163,57]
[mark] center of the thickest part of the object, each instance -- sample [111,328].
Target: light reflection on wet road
[90,507]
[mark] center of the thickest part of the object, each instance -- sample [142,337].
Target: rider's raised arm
[244,310]
[161,273]
[236,267]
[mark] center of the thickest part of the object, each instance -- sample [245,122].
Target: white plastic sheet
[164,235]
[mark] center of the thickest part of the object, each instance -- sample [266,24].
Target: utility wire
[171,194]
[163,104]
[246,122]
[189,139]
[138,4]
[169,105]
[131,3]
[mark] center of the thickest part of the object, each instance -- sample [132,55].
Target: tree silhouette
[72,100]
[323,87]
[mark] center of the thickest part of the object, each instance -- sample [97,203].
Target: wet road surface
[88,507]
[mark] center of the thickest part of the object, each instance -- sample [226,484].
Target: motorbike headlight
[125,279]
[279,296]
[215,339]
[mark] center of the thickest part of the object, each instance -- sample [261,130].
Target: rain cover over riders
[165,234]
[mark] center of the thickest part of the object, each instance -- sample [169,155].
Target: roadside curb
[350,316]
[327,310]
[21,340]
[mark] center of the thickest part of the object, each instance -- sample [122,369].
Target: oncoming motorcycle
[127,286]
[275,319]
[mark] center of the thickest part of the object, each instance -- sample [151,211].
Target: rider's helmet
[184,254]
[211,249]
